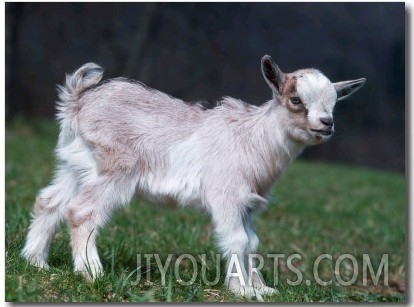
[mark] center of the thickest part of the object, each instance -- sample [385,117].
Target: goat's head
[308,99]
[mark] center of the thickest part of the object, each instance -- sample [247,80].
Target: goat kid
[119,138]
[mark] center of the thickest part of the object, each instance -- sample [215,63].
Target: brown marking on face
[297,113]
[296,108]
[299,119]
[289,86]
[288,91]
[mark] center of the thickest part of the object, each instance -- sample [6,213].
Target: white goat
[119,138]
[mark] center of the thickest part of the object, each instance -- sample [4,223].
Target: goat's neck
[274,142]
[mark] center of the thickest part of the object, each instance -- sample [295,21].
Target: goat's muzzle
[325,132]
[323,135]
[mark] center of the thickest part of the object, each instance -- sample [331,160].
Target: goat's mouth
[322,135]
[325,132]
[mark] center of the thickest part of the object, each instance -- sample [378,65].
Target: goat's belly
[180,181]
[170,190]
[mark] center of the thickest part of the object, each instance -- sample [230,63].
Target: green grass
[317,209]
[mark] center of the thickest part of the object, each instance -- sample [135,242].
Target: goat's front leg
[255,277]
[234,241]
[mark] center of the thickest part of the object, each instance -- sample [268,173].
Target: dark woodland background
[203,51]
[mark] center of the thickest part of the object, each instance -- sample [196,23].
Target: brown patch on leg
[41,206]
[77,230]
[74,220]
[38,206]
[74,235]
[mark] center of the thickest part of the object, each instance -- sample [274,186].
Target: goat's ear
[345,89]
[272,73]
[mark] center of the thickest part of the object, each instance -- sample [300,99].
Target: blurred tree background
[203,51]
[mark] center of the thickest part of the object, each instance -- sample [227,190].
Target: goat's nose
[327,121]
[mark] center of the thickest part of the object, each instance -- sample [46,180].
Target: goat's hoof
[250,292]
[87,275]
[37,262]
[90,274]
[267,291]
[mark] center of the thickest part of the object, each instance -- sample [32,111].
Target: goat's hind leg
[48,213]
[86,214]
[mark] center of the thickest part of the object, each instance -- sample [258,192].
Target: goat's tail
[86,76]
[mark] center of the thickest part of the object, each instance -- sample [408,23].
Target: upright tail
[82,79]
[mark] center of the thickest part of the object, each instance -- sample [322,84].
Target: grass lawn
[317,209]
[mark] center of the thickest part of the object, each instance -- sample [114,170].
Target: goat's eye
[295,100]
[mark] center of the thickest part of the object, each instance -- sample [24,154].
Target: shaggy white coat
[120,138]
